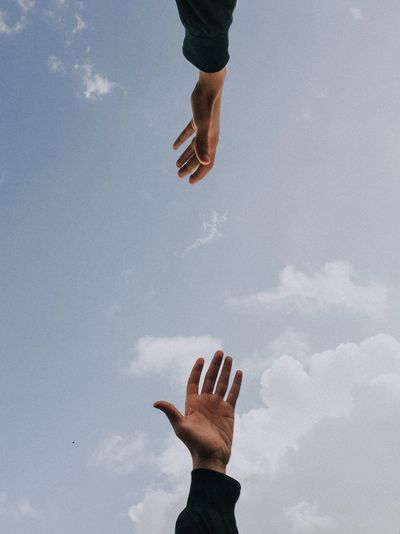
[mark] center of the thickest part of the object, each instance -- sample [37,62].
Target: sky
[115,274]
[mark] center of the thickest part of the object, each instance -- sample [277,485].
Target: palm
[207,426]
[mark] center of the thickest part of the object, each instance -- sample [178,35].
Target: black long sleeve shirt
[206,25]
[211,503]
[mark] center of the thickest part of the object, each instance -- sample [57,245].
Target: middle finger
[223,381]
[211,375]
[186,155]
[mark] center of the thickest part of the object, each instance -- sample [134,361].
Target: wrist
[212,80]
[213,464]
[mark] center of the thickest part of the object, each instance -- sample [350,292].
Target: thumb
[173,414]
[201,146]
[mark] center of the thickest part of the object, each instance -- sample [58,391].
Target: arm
[207,431]
[205,45]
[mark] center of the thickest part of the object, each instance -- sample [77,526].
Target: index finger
[185,134]
[194,377]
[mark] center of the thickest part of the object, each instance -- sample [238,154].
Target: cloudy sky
[115,274]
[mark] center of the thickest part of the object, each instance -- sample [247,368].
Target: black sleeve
[210,507]
[206,25]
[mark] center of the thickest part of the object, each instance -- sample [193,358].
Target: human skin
[199,157]
[207,426]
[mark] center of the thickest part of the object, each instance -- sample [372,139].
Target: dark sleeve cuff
[209,54]
[213,490]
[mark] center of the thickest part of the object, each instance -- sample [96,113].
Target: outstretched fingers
[212,373]
[200,173]
[186,155]
[211,378]
[194,377]
[185,134]
[223,380]
[235,389]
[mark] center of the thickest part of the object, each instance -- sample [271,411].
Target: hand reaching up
[199,156]
[207,426]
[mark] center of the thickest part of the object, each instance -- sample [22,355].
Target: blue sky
[115,274]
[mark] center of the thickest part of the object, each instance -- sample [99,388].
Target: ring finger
[190,166]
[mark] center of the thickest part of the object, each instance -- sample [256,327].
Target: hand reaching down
[199,156]
[207,426]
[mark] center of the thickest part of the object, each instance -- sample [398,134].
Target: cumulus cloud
[304,518]
[289,342]
[330,288]
[356,13]
[122,454]
[211,232]
[156,509]
[95,86]
[173,356]
[296,399]
[18,509]
[320,454]
[7,27]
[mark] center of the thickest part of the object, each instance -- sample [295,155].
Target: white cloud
[321,455]
[304,518]
[289,342]
[356,13]
[6,28]
[296,398]
[121,454]
[55,64]
[26,5]
[158,510]
[67,18]
[333,287]
[211,231]
[80,24]
[170,355]
[19,509]
[95,86]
